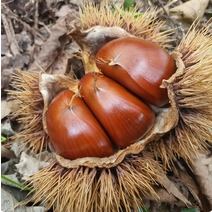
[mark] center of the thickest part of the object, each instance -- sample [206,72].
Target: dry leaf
[163,194]
[8,202]
[6,61]
[29,165]
[16,193]
[182,176]
[5,108]
[75,68]
[65,10]
[5,80]
[172,189]
[190,11]
[51,47]
[4,45]
[57,50]
[22,38]
[17,148]
[6,129]
[64,55]
[6,153]
[8,167]
[181,173]
[204,175]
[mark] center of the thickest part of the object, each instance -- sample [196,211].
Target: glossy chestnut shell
[138,65]
[73,130]
[124,117]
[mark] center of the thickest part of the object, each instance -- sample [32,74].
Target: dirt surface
[34,37]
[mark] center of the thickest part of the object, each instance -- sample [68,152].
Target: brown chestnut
[138,65]
[125,118]
[73,129]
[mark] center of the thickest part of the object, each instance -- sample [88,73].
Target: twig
[172,20]
[50,11]
[40,67]
[10,35]
[9,2]
[5,10]
[46,28]
[36,15]
[166,6]
[168,16]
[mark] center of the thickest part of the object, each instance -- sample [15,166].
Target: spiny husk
[99,25]
[28,107]
[93,189]
[119,188]
[117,185]
[146,26]
[193,95]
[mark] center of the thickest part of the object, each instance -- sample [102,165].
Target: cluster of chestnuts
[113,110]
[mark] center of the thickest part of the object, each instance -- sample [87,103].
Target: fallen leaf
[25,42]
[172,189]
[79,3]
[163,194]
[6,61]
[18,194]
[181,174]
[49,3]
[65,10]
[21,61]
[203,175]
[22,38]
[4,45]
[49,50]
[75,68]
[52,48]
[189,11]
[5,80]
[6,153]
[8,203]
[6,129]
[66,52]
[17,148]
[5,109]
[29,165]
[8,167]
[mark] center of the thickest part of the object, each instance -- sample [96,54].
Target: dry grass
[84,189]
[147,26]
[28,108]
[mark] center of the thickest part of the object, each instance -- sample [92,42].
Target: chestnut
[139,66]
[124,117]
[73,130]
